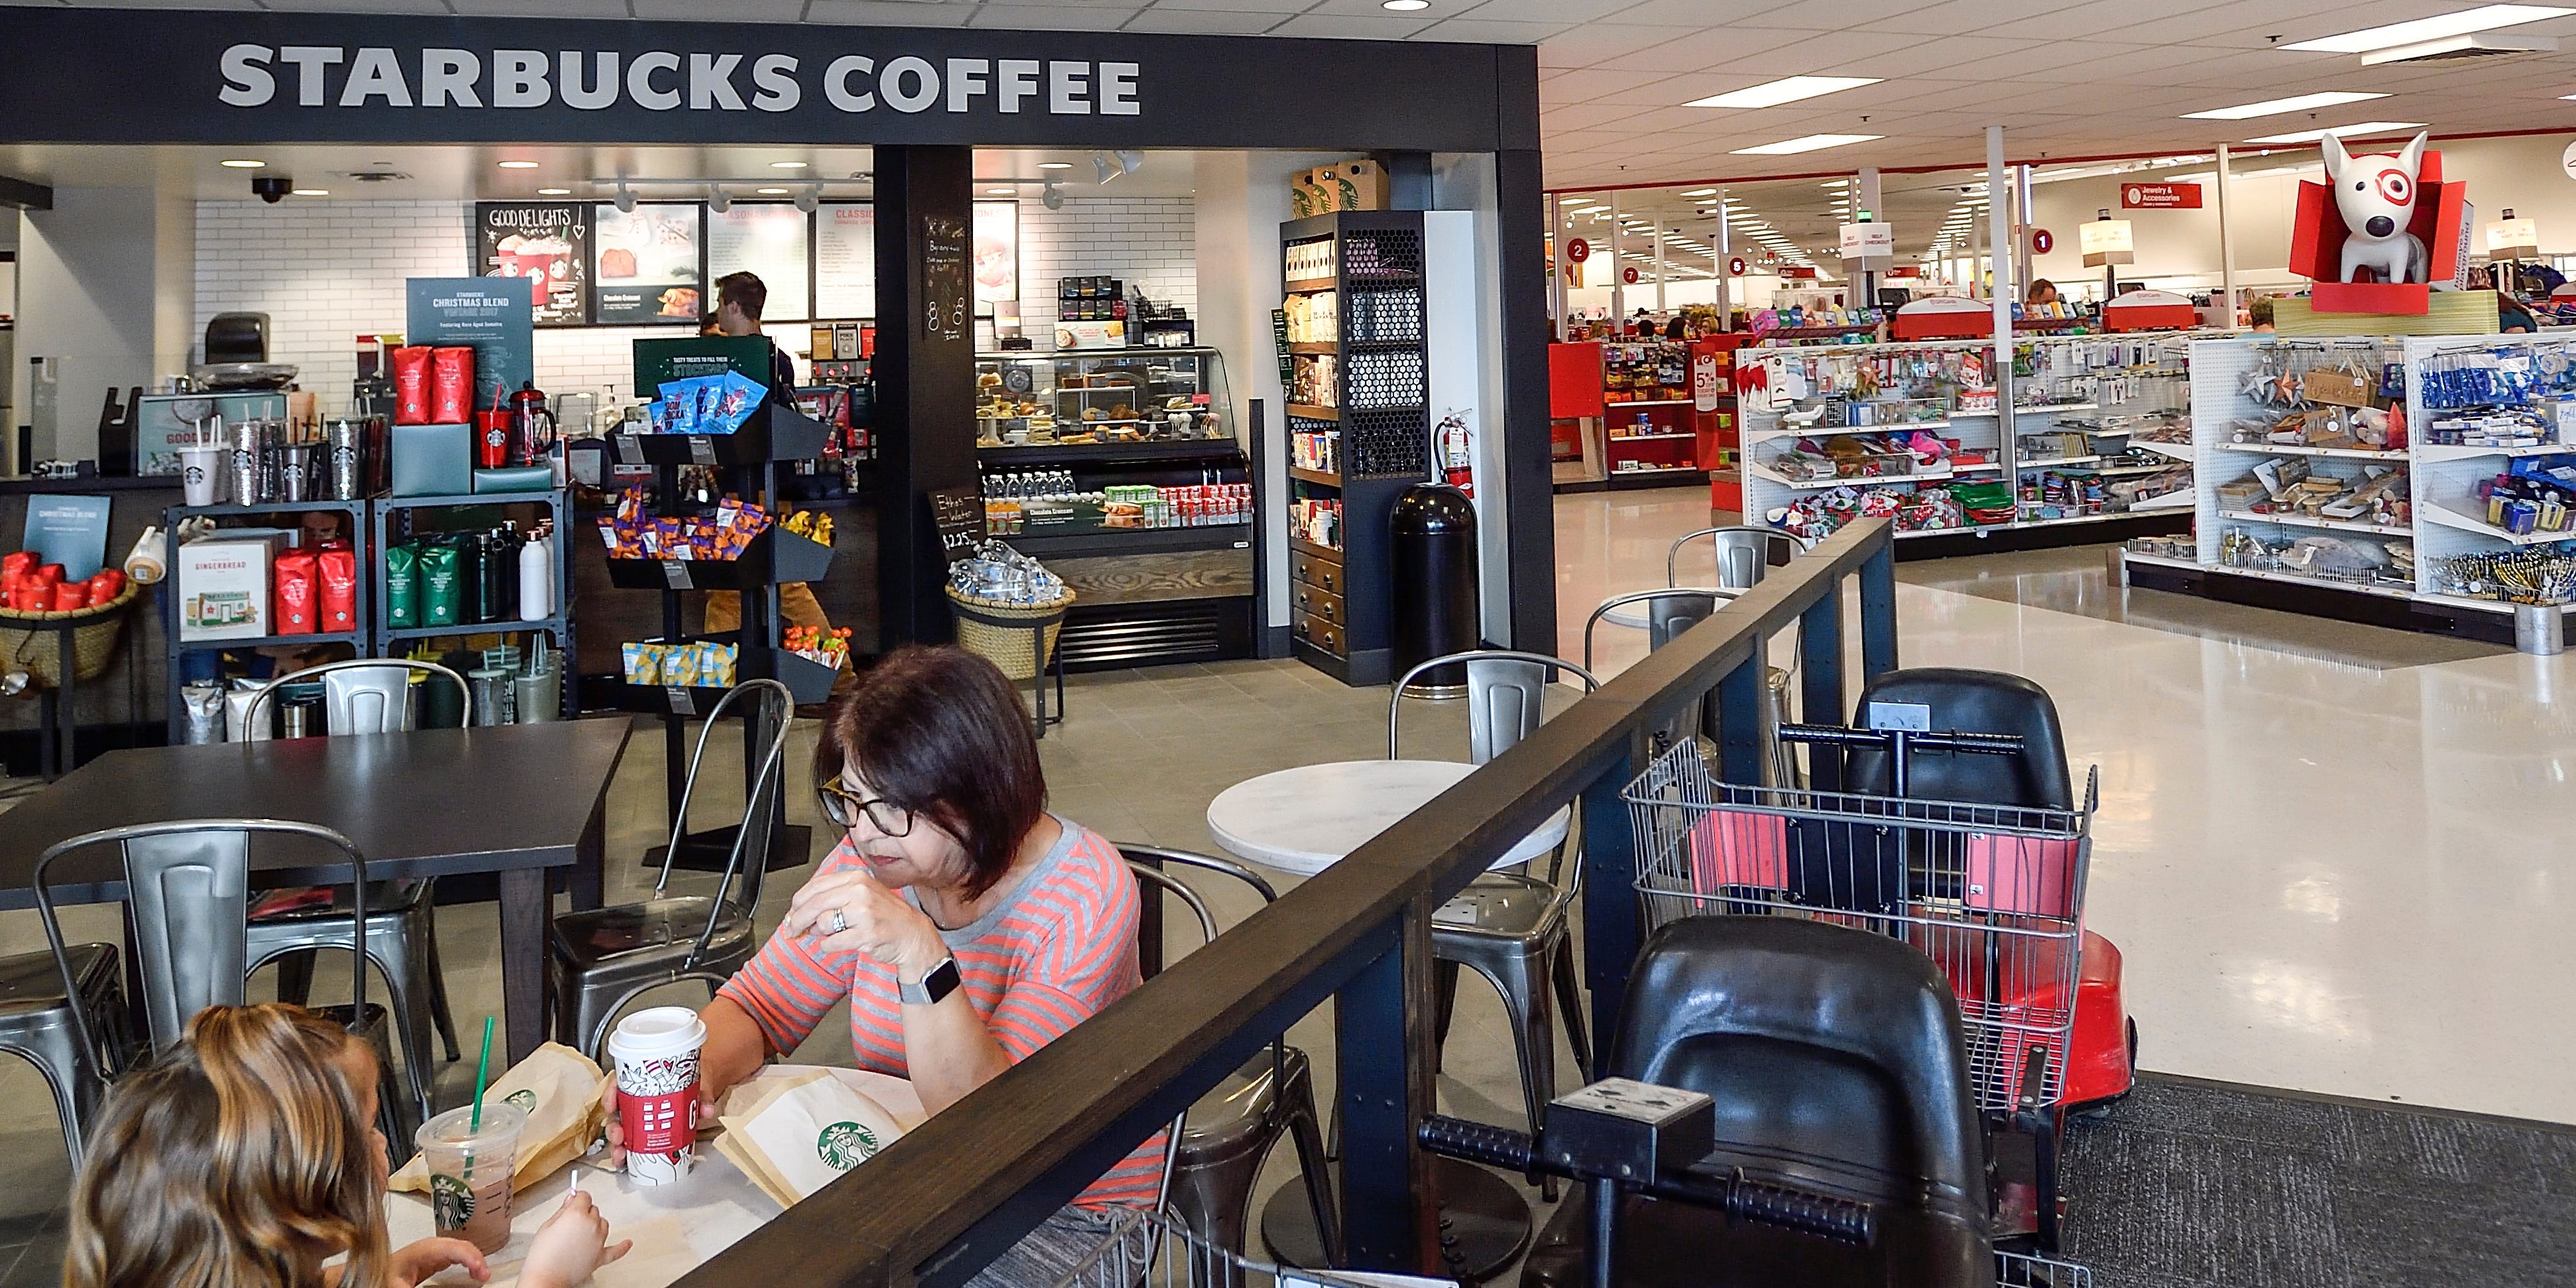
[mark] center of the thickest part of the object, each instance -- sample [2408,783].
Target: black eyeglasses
[843,809]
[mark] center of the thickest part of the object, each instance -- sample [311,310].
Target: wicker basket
[27,639]
[1009,635]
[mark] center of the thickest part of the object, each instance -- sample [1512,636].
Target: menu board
[957,515]
[845,261]
[546,242]
[769,241]
[945,301]
[647,264]
[997,253]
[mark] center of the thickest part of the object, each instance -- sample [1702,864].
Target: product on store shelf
[442,587]
[717,404]
[630,532]
[694,664]
[402,587]
[451,385]
[812,644]
[336,579]
[411,385]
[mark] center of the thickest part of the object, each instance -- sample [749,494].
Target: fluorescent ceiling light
[312,192]
[1055,165]
[1701,192]
[1805,143]
[2276,106]
[771,192]
[554,192]
[1786,90]
[1405,6]
[1002,192]
[241,165]
[518,165]
[2363,130]
[786,165]
[2483,18]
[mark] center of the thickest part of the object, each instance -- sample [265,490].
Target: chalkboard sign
[947,310]
[957,514]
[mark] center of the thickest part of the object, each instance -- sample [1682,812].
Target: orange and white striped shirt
[1055,950]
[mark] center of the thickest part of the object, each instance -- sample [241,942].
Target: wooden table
[514,800]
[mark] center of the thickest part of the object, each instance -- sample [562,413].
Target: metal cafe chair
[40,1025]
[1741,554]
[1508,927]
[605,958]
[365,696]
[187,901]
[1224,1138]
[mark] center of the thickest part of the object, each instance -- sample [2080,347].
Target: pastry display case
[1100,398]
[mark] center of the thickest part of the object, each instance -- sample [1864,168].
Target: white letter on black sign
[601,93]
[1018,79]
[925,88]
[446,73]
[1067,83]
[309,61]
[246,79]
[375,74]
[711,82]
[965,81]
[774,79]
[1118,89]
[836,83]
[639,81]
[519,78]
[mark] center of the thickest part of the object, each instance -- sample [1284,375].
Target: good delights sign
[75,75]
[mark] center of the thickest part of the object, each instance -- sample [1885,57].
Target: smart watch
[940,981]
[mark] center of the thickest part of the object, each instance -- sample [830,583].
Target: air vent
[2454,49]
[377,176]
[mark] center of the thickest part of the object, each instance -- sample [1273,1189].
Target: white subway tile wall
[327,272]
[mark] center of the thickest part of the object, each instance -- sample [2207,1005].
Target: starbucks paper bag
[560,1089]
[799,1133]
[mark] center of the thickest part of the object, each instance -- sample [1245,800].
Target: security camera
[271,188]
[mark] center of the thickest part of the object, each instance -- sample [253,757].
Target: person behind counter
[964,924]
[740,298]
[2042,291]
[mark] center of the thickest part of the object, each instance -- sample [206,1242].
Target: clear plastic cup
[656,1053]
[469,1172]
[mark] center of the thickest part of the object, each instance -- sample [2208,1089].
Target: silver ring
[839,922]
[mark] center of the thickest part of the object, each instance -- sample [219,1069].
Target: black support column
[925,374]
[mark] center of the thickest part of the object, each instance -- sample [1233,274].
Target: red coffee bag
[451,385]
[294,580]
[411,385]
[337,570]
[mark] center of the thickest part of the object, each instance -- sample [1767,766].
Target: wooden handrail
[946,1198]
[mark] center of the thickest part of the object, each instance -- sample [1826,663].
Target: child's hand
[414,1262]
[570,1245]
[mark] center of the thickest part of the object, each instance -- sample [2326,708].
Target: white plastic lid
[657,1033]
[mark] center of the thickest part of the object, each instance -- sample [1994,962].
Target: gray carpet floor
[2192,1184]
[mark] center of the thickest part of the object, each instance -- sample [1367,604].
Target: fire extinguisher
[1457,453]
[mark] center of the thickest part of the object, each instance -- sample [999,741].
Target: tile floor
[2322,847]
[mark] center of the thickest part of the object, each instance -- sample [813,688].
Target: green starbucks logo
[523,1098]
[452,1201]
[846,1145]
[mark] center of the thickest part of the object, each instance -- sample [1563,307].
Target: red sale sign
[2159,196]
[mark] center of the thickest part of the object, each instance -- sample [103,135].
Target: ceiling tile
[1482,31]
[1204,22]
[1556,11]
[1594,41]
[1704,50]
[549,8]
[1350,27]
[1031,17]
[884,13]
[730,11]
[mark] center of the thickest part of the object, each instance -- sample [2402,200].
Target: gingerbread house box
[2440,218]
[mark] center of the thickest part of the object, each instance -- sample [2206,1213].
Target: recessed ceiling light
[2363,130]
[313,192]
[786,165]
[1805,143]
[1404,6]
[1787,90]
[518,165]
[1055,165]
[2483,18]
[1002,192]
[2276,106]
[243,165]
[554,192]
[772,192]
[1701,192]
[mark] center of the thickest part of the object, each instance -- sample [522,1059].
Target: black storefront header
[163,76]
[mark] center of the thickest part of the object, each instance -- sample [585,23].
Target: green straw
[482,1076]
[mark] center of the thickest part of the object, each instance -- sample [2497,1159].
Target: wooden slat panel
[1146,579]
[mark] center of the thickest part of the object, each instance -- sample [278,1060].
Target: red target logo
[2397,186]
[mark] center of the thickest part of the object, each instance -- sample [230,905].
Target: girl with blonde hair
[248,1157]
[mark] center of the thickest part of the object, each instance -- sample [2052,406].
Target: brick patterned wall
[328,271]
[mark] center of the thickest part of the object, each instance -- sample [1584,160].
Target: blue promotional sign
[490,313]
[68,530]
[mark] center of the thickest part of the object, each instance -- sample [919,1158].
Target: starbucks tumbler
[656,1053]
[469,1172]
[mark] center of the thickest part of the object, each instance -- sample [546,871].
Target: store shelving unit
[391,523]
[1380,419]
[747,464]
[174,669]
[2445,520]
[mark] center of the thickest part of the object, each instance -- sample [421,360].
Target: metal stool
[605,958]
[1229,1133]
[37,1025]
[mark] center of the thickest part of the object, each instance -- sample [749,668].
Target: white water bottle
[537,579]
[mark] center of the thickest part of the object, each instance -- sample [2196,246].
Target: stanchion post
[1878,613]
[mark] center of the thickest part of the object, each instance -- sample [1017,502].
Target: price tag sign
[676,572]
[681,703]
[702,450]
[629,451]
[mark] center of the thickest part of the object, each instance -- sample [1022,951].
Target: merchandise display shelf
[2449,515]
[1767,474]
[2456,452]
[2296,449]
[553,625]
[1127,541]
[1318,477]
[391,519]
[2057,461]
[1648,438]
[174,667]
[1645,402]
[2314,521]
[309,639]
[777,432]
[2178,451]
[773,557]
[1313,411]
[1187,449]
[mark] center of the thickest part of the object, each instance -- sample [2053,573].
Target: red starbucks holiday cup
[656,1054]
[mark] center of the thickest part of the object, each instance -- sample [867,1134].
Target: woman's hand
[570,1245]
[872,920]
[413,1262]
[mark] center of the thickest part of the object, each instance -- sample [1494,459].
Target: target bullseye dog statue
[2385,239]
[2375,193]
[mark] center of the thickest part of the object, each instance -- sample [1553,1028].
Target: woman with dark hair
[964,924]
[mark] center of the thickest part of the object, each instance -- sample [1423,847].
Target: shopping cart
[1993,894]
[1155,1250]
